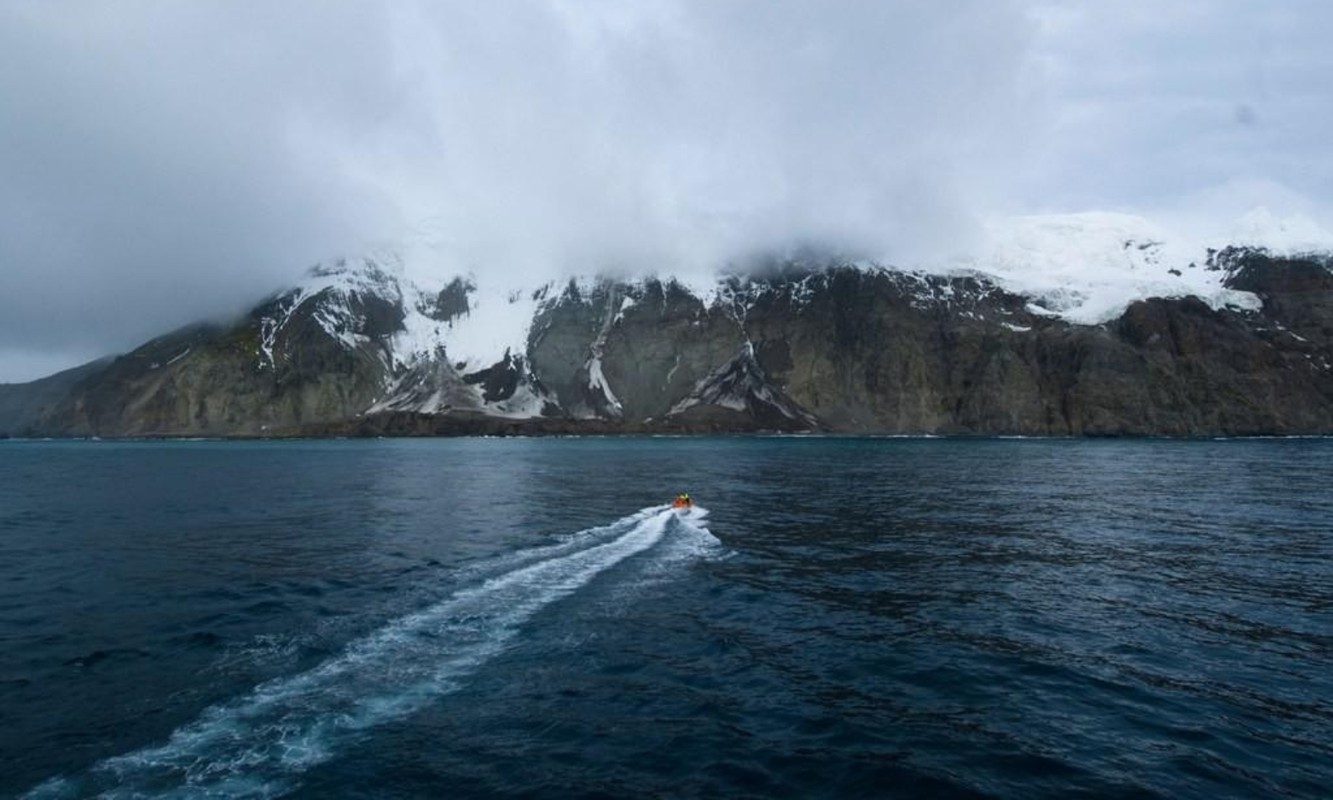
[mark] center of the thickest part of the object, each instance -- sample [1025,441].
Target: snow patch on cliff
[597,382]
[498,316]
[1087,268]
[334,288]
[497,320]
[526,403]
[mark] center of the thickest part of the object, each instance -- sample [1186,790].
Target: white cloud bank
[165,162]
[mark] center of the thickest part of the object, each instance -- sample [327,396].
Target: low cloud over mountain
[167,163]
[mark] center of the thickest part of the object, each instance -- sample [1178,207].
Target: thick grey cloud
[149,175]
[585,136]
[1165,107]
[164,162]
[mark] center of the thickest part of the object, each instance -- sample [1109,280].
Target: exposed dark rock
[23,403]
[739,389]
[451,302]
[657,349]
[499,381]
[560,343]
[242,379]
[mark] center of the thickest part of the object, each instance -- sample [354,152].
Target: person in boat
[682,501]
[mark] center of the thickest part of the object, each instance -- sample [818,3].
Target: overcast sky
[162,162]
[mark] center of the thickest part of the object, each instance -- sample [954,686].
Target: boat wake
[259,744]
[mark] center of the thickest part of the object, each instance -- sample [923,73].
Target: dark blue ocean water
[517,618]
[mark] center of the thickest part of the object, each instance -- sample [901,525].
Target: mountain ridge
[359,347]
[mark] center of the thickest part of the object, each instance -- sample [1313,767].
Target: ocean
[840,617]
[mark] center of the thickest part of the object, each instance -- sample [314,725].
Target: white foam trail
[257,745]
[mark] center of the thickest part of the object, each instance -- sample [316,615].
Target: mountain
[21,404]
[1076,325]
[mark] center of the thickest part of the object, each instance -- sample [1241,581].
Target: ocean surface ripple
[851,618]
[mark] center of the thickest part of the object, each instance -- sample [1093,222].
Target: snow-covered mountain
[1057,324]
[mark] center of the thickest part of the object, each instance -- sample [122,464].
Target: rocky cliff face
[22,404]
[830,347]
[277,369]
[902,353]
